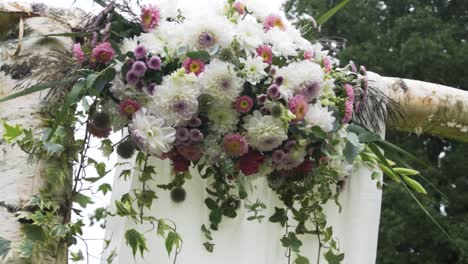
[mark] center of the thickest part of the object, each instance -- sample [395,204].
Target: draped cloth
[239,241]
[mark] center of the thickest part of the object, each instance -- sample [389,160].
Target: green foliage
[136,241]
[4,247]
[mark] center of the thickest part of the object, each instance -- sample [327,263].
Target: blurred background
[424,40]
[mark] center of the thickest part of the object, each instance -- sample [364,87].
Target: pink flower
[193,66]
[327,64]
[190,153]
[128,107]
[235,145]
[299,107]
[150,17]
[266,53]
[140,52]
[349,105]
[103,53]
[272,21]
[308,55]
[240,7]
[243,104]
[78,53]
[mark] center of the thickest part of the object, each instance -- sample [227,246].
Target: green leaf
[4,247]
[353,139]
[52,148]
[172,239]
[82,200]
[211,204]
[11,132]
[106,147]
[77,256]
[301,260]
[291,241]
[325,17]
[279,216]
[333,258]
[34,232]
[162,228]
[368,137]
[33,89]
[413,184]
[199,55]
[67,34]
[25,248]
[103,78]
[209,246]
[350,152]
[136,241]
[59,231]
[105,188]
[318,132]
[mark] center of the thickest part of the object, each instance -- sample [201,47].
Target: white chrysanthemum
[282,42]
[221,81]
[264,133]
[222,117]
[261,9]
[129,44]
[318,52]
[250,33]
[317,115]
[151,134]
[298,75]
[167,35]
[254,69]
[176,98]
[208,33]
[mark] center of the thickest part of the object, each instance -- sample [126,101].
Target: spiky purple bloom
[154,63]
[194,122]
[206,40]
[273,91]
[132,77]
[196,135]
[182,134]
[140,52]
[139,68]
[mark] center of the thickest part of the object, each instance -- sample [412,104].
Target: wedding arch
[243,142]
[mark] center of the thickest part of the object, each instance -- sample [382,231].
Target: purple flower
[194,122]
[206,40]
[182,134]
[311,90]
[103,53]
[279,80]
[273,91]
[139,68]
[140,52]
[196,135]
[150,89]
[277,156]
[154,63]
[78,53]
[132,77]
[264,111]
[353,66]
[261,99]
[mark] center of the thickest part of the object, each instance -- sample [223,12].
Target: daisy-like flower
[150,17]
[250,33]
[193,66]
[254,69]
[298,106]
[298,75]
[266,53]
[272,21]
[222,118]
[264,133]
[221,81]
[243,104]
[129,44]
[320,116]
[78,53]
[102,53]
[151,134]
[208,33]
[235,145]
[154,63]
[176,98]
[128,107]
[282,42]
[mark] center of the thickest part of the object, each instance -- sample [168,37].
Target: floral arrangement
[237,95]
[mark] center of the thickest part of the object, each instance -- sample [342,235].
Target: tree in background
[423,40]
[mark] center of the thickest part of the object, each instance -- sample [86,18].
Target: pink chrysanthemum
[349,105]
[266,53]
[243,104]
[193,66]
[327,64]
[240,7]
[235,145]
[78,53]
[103,53]
[298,106]
[128,107]
[272,21]
[150,17]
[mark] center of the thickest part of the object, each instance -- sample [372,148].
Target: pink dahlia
[150,17]
[243,104]
[266,53]
[250,163]
[235,145]
[349,105]
[240,7]
[78,53]
[298,106]
[128,107]
[103,53]
[193,66]
[272,21]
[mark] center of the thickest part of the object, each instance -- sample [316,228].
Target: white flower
[282,42]
[254,69]
[169,35]
[319,116]
[222,117]
[221,81]
[208,33]
[176,98]
[129,44]
[151,134]
[298,75]
[264,133]
[250,33]
[319,52]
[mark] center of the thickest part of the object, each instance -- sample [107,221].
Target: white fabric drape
[239,241]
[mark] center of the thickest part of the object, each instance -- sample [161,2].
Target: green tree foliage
[424,40]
